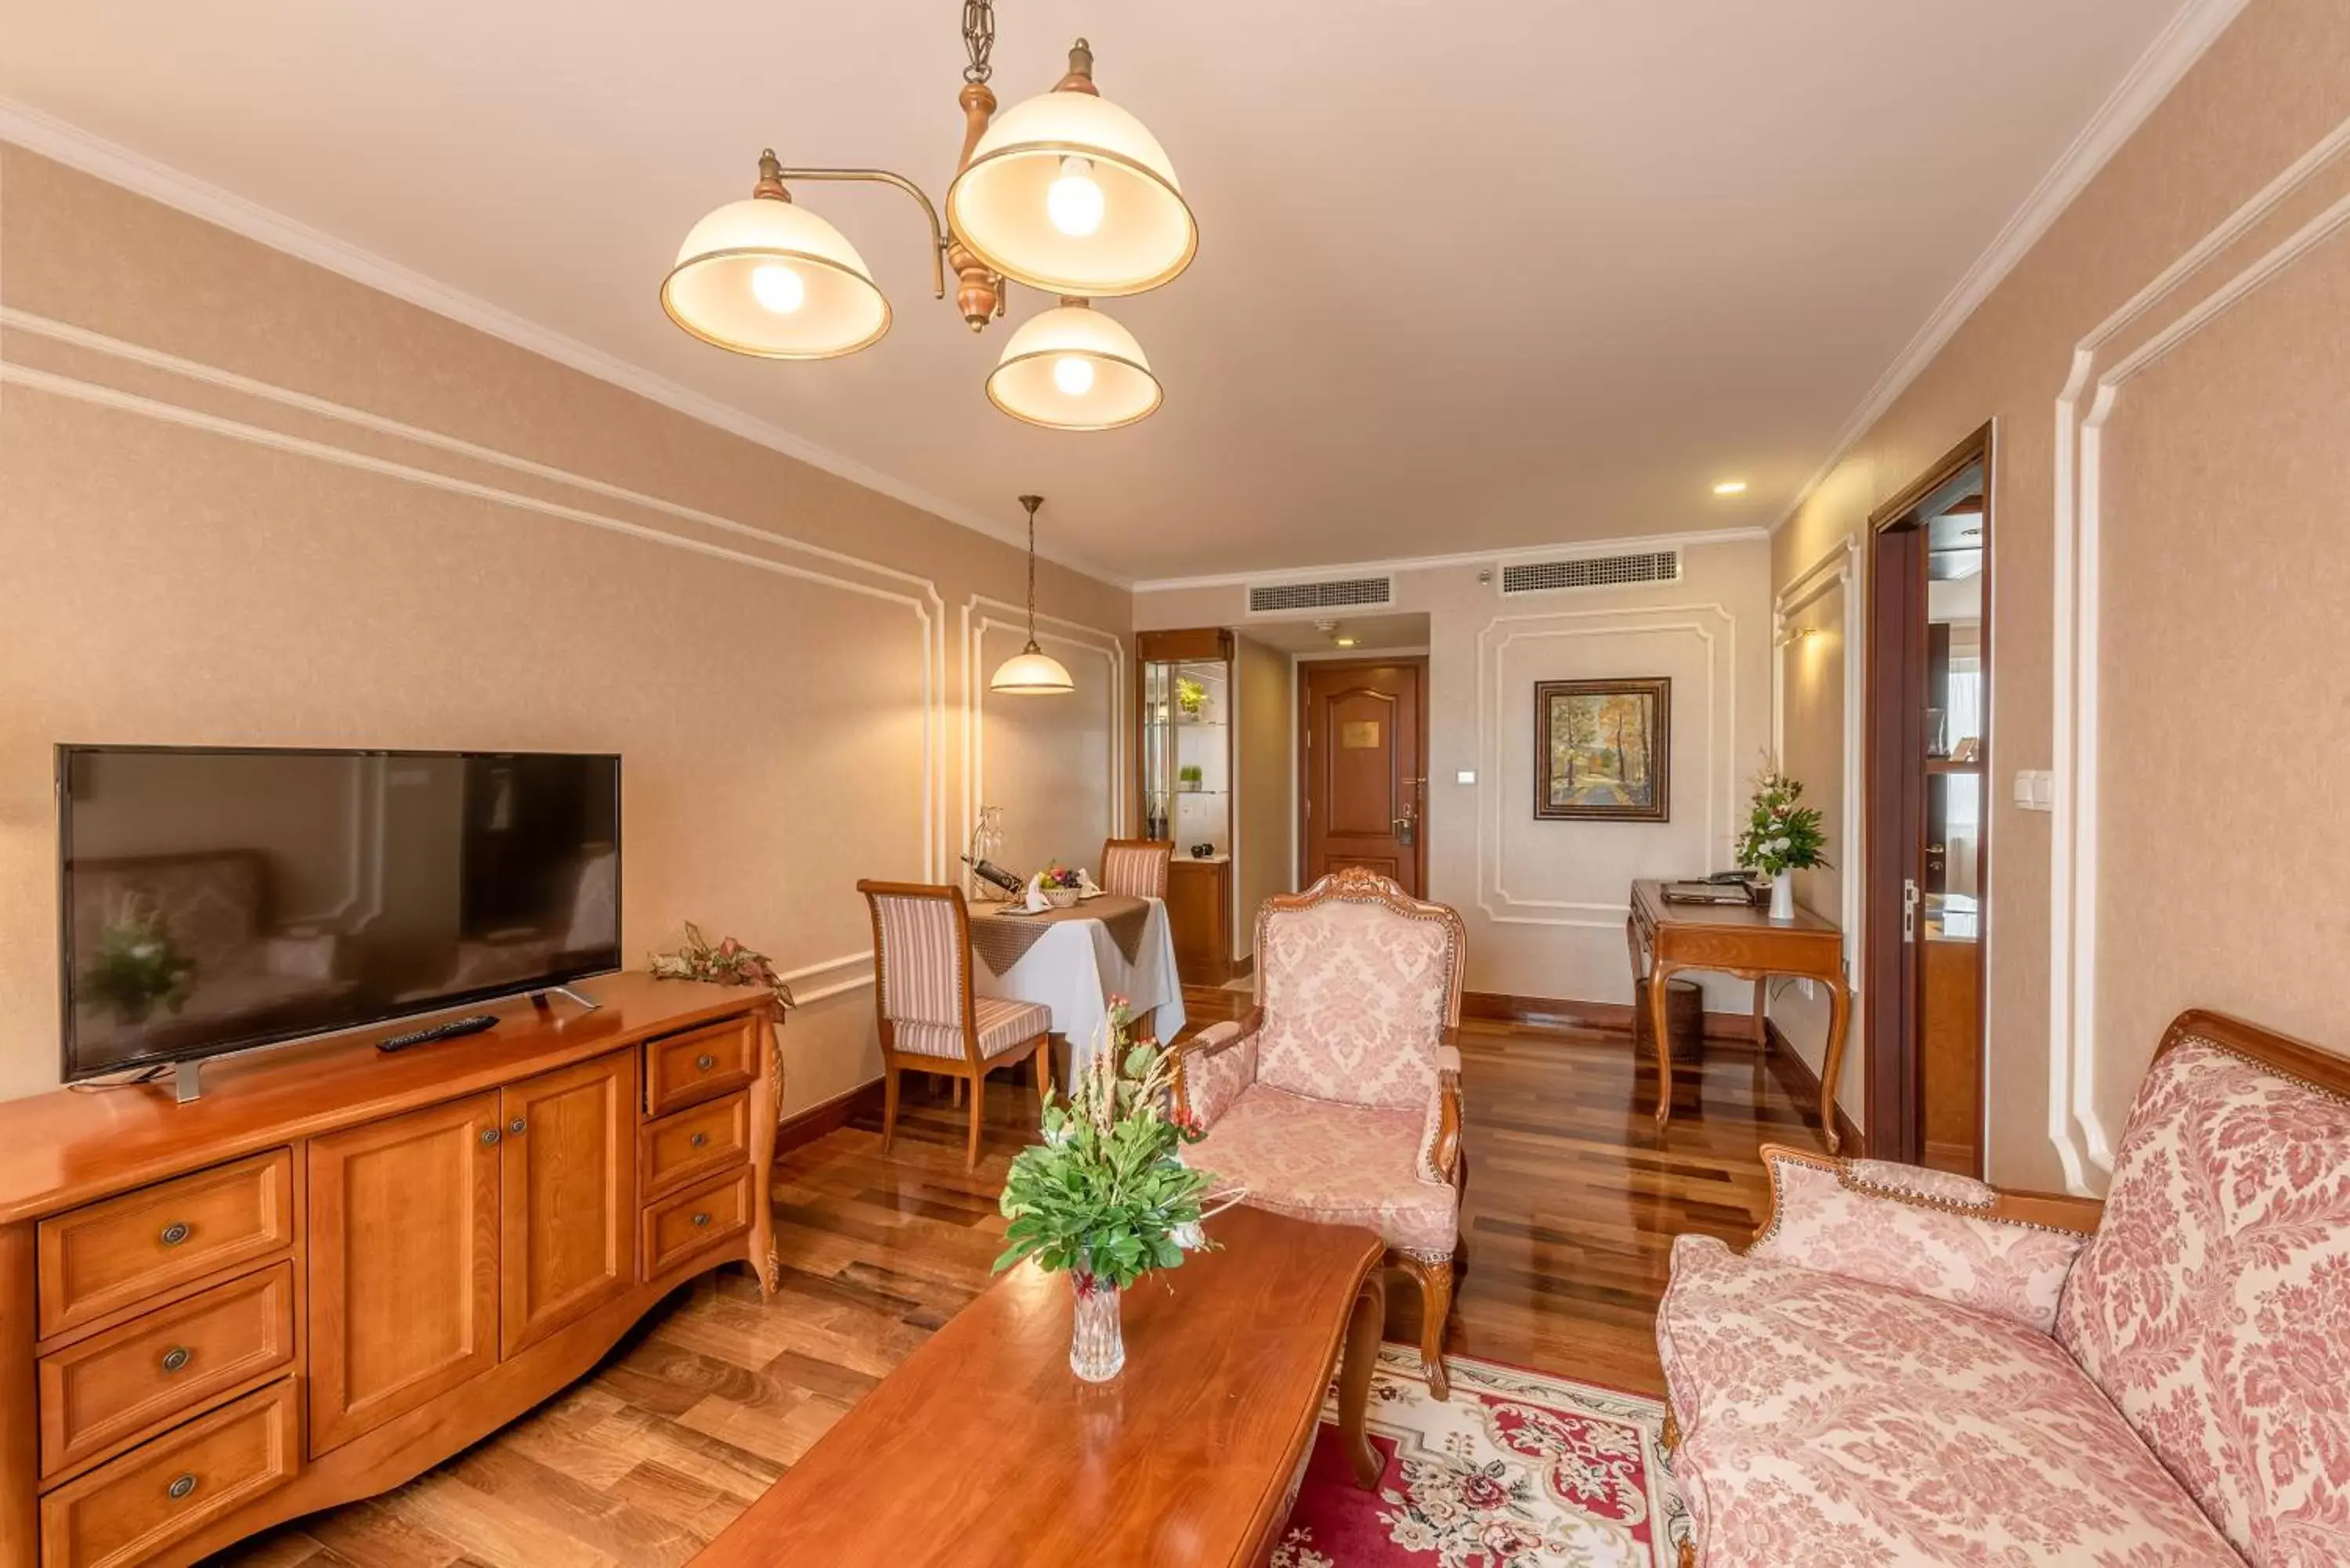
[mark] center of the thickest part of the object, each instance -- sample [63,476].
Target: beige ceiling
[1492,274]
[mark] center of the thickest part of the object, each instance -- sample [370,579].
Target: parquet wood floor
[1571,1209]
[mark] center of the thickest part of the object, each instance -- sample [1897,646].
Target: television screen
[218,898]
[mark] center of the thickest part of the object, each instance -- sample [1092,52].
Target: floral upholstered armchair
[1911,1370]
[1338,1098]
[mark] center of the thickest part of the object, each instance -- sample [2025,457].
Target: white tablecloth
[1074,967]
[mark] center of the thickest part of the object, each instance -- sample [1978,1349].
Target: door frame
[1300,826]
[1896,1121]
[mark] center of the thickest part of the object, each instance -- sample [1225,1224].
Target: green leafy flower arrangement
[138,966]
[1106,1196]
[727,963]
[1781,836]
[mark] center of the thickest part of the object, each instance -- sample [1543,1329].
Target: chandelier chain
[1032,503]
[978,38]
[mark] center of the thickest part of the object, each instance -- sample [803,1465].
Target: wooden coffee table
[983,1449]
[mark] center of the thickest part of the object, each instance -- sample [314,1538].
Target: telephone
[989,872]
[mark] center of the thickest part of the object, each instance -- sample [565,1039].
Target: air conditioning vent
[1591,571]
[1337,593]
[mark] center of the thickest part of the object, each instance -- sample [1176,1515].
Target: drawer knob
[176,1359]
[175,1233]
[517,1127]
[183,1486]
[701,1219]
[699,1139]
[489,1136]
[705,1060]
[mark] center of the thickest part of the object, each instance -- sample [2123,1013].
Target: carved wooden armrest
[1952,1238]
[1214,1065]
[1440,1140]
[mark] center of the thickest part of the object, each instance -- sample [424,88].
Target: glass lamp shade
[1031,673]
[770,278]
[1074,369]
[1002,206]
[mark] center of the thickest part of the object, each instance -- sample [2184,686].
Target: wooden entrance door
[1363,737]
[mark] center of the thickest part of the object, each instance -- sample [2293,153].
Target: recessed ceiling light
[1730,487]
[1344,641]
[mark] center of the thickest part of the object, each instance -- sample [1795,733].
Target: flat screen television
[214,899]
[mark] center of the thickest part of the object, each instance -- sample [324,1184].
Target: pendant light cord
[978,38]
[1032,503]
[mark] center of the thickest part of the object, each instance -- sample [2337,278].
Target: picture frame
[1603,750]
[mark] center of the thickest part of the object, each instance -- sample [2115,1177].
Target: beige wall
[213,531]
[1544,901]
[2204,731]
[1265,795]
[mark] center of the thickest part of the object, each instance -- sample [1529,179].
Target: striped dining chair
[931,1022]
[1136,867]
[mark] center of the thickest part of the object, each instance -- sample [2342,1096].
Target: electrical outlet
[1466,775]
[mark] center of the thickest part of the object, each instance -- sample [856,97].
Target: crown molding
[2193,29]
[1569,548]
[68,144]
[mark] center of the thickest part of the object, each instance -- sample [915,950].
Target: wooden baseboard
[1795,1076]
[802,1128]
[1729,1028]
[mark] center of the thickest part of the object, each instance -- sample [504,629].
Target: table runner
[1003,940]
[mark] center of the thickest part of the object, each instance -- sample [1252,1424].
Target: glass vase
[1096,1345]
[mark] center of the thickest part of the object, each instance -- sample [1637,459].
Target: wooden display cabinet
[1186,747]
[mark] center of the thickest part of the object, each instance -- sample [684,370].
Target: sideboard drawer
[99,1259]
[130,1509]
[700,1064]
[114,1385]
[682,1147]
[694,1221]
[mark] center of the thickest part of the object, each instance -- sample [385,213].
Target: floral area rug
[1515,1470]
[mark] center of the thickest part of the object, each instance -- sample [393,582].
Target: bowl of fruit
[1062,886]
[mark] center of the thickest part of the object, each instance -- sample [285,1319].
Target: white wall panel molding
[2306,205]
[1107,646]
[759,549]
[1712,627]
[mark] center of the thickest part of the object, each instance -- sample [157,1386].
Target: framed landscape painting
[1603,750]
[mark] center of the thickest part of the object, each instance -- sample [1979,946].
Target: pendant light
[1069,193]
[1074,369]
[1031,673]
[767,277]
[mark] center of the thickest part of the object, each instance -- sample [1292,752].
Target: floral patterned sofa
[1912,1368]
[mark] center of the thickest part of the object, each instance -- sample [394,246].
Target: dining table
[1073,961]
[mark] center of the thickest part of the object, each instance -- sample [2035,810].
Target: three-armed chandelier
[1065,192]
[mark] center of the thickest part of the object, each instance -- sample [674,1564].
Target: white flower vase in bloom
[1782,896]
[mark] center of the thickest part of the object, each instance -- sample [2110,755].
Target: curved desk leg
[1659,974]
[1831,1065]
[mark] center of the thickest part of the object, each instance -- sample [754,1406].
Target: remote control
[471,1024]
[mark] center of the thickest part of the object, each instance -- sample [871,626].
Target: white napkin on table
[1037,902]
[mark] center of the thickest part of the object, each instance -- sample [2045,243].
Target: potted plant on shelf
[1188,778]
[1106,1198]
[1191,696]
[1782,836]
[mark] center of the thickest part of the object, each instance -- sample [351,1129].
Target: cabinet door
[569,1195]
[403,1264]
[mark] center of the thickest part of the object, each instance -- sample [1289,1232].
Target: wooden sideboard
[342,1266]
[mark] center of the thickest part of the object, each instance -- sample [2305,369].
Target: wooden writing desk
[1666,939]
